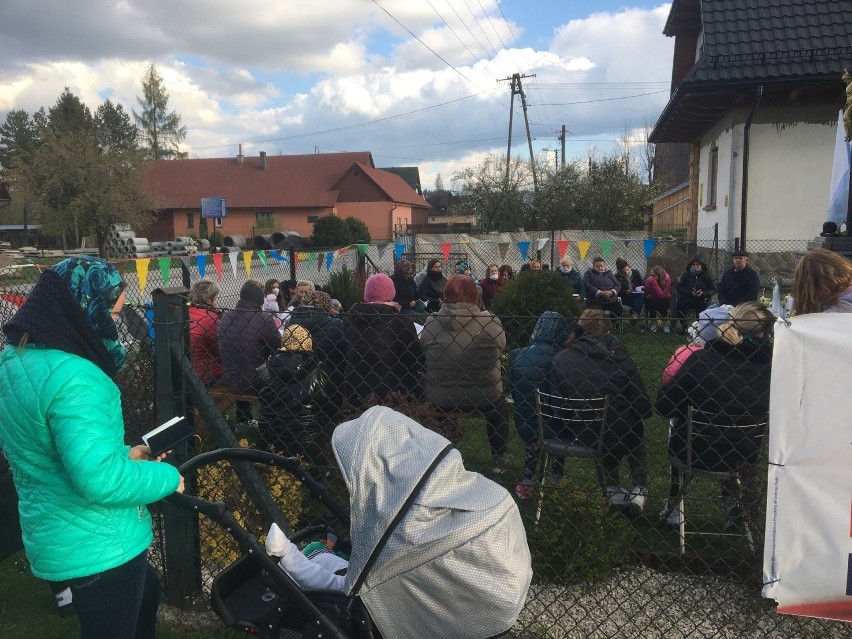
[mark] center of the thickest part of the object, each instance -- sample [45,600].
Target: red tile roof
[288,181]
[394,186]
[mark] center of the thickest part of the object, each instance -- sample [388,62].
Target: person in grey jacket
[462,346]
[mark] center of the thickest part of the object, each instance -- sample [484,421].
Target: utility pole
[562,142]
[516,88]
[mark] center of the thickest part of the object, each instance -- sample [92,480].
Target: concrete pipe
[236,241]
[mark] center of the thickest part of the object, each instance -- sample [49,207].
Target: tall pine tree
[160,129]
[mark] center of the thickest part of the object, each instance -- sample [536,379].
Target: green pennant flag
[606,248]
[165,264]
[362,249]
[312,259]
[263,260]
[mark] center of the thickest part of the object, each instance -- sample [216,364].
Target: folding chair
[711,429]
[580,424]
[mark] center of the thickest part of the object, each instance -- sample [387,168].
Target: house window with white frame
[712,177]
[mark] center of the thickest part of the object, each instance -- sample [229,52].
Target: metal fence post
[171,326]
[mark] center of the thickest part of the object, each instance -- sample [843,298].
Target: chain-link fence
[636,454]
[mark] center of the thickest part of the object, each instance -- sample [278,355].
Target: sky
[415,82]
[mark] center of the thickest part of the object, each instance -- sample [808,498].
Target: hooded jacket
[689,282]
[529,367]
[383,354]
[462,347]
[600,366]
[329,345]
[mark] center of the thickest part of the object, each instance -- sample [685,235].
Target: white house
[756,89]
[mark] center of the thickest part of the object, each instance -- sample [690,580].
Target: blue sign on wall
[213,207]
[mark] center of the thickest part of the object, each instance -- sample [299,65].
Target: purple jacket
[594,282]
[247,337]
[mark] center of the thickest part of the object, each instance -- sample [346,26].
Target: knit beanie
[252,291]
[379,288]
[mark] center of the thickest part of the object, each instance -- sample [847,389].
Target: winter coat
[600,366]
[574,282]
[329,347]
[689,282]
[406,290]
[490,288]
[737,287]
[292,390]
[82,499]
[247,337]
[628,284]
[383,355]
[204,343]
[594,281]
[462,347]
[432,290]
[720,379]
[529,367]
[653,290]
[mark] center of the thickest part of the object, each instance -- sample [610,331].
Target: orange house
[264,194]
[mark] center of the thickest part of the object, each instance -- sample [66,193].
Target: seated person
[315,569]
[571,277]
[730,376]
[740,283]
[695,289]
[598,365]
[528,370]
[602,288]
[630,291]
[203,331]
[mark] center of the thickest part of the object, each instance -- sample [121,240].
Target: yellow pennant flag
[142,272]
[583,246]
[247,261]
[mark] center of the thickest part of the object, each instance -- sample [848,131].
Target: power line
[462,42]
[620,97]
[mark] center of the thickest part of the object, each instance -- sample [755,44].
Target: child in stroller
[436,550]
[318,567]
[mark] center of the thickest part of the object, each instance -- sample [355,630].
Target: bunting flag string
[277,255]
[398,250]
[342,252]
[312,258]
[320,261]
[524,249]
[247,261]
[562,247]
[540,242]
[329,258]
[233,259]
[606,248]
[165,264]
[649,245]
[201,260]
[263,260]
[381,250]
[217,263]
[445,249]
[142,272]
[503,248]
[184,266]
[362,249]
[583,246]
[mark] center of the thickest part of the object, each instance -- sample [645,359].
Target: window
[712,177]
[263,218]
[218,223]
[313,218]
[190,220]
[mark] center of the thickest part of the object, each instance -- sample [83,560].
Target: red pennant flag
[445,249]
[217,262]
[561,247]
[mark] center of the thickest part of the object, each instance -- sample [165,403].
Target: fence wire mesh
[645,521]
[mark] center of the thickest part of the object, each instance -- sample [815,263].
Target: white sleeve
[305,572]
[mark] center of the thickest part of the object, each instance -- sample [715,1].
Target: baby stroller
[435,550]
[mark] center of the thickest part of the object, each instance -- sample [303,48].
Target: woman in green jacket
[82,491]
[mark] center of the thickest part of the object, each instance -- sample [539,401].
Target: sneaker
[617,496]
[653,328]
[667,329]
[500,464]
[524,490]
[672,514]
[637,499]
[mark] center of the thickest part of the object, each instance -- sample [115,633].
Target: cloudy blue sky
[413,81]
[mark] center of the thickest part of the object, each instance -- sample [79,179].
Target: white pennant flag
[233,258]
[540,243]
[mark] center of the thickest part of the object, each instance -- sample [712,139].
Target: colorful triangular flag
[217,262]
[381,250]
[362,249]
[524,249]
[320,260]
[165,264]
[398,250]
[503,247]
[561,247]
[606,248]
[649,246]
[446,247]
[540,242]
[583,246]
[329,258]
[263,260]
[142,272]
[232,257]
[201,261]
[247,261]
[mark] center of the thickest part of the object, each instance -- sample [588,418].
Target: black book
[168,435]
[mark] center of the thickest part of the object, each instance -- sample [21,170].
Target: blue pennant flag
[524,248]
[329,258]
[649,245]
[277,255]
[201,260]
[398,250]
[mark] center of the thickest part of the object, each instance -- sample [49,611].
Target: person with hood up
[695,289]
[598,365]
[292,388]
[571,277]
[602,288]
[432,287]
[528,370]
[406,289]
[383,355]
[823,283]
[462,346]
[491,285]
[83,492]
[730,376]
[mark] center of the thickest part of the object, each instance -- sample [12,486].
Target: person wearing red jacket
[658,297]
[203,331]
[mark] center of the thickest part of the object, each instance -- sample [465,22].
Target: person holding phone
[83,492]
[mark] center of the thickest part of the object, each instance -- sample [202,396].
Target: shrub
[525,298]
[582,537]
[346,286]
[330,231]
[359,231]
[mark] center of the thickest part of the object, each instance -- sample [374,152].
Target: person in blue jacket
[83,492]
[528,369]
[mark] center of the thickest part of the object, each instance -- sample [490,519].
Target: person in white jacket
[323,569]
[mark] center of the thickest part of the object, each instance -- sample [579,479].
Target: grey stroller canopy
[451,561]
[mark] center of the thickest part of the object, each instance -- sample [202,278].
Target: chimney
[263,160]
[240,156]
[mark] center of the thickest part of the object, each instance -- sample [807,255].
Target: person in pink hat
[383,354]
